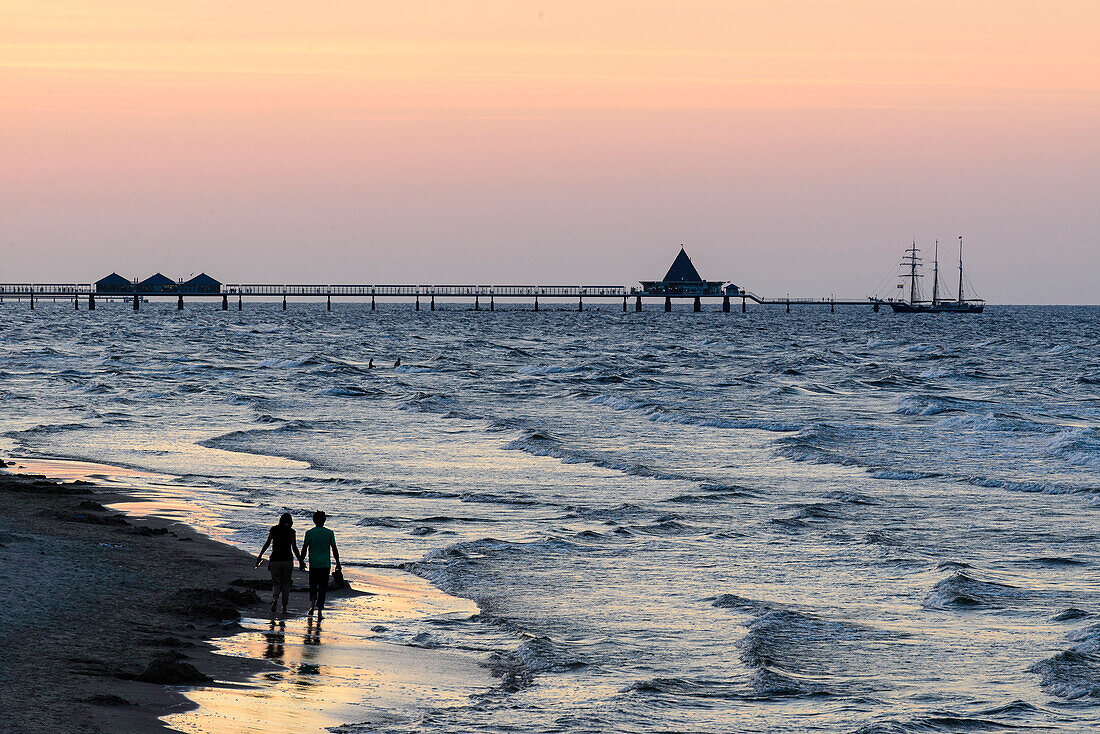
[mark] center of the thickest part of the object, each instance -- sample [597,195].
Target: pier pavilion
[683,281]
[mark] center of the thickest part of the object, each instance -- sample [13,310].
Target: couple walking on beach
[318,542]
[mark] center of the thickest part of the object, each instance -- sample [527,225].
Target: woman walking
[283,543]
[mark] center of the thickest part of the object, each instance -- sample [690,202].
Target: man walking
[318,541]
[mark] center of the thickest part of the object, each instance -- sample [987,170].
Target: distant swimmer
[283,542]
[397,363]
[370,365]
[319,540]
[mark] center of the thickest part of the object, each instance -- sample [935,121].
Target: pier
[426,297]
[681,282]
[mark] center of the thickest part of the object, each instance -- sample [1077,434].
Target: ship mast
[912,261]
[936,275]
[960,269]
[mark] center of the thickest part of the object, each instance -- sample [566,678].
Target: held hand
[302,566]
[259,560]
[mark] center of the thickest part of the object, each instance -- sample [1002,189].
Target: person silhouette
[318,541]
[397,363]
[370,364]
[283,543]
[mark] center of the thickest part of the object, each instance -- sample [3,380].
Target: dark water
[671,522]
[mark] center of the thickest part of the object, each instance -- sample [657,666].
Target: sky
[792,146]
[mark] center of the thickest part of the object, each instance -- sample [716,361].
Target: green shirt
[320,539]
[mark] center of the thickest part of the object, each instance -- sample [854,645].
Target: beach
[126,621]
[570,522]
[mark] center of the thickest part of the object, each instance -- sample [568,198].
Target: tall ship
[939,303]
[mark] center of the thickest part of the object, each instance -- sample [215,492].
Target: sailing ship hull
[951,307]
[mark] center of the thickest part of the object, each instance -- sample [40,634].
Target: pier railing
[33,291]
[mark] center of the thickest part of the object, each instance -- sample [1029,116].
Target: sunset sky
[792,145]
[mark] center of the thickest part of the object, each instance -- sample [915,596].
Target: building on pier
[158,283]
[683,280]
[114,283]
[201,284]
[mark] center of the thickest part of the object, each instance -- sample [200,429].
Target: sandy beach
[116,616]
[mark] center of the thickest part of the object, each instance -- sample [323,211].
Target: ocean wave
[814,444]
[415,369]
[257,441]
[921,405]
[850,497]
[962,591]
[1069,674]
[995,422]
[900,474]
[1035,487]
[1077,446]
[351,391]
[287,364]
[618,514]
[943,722]
[789,650]
[538,443]
[518,668]
[544,369]
[683,687]
[660,414]
[733,601]
[49,429]
[443,405]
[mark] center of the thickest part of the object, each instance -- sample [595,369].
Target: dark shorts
[281,573]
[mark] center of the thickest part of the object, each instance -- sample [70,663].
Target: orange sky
[140,125]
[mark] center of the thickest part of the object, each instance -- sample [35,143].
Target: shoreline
[129,620]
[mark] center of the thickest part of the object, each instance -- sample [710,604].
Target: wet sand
[108,595]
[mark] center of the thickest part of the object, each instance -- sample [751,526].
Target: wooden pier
[681,281]
[422,296]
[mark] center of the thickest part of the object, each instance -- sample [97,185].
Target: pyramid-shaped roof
[682,271]
[156,281]
[113,279]
[202,279]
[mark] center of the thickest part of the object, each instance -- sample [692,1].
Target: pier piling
[371,301]
[225,302]
[418,303]
[76,302]
[744,307]
[638,304]
[580,303]
[137,302]
[91,302]
[433,303]
[668,305]
[284,303]
[698,306]
[179,302]
[477,303]
[329,303]
[725,304]
[536,304]
[492,303]
[240,302]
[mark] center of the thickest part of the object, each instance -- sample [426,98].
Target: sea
[668,522]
